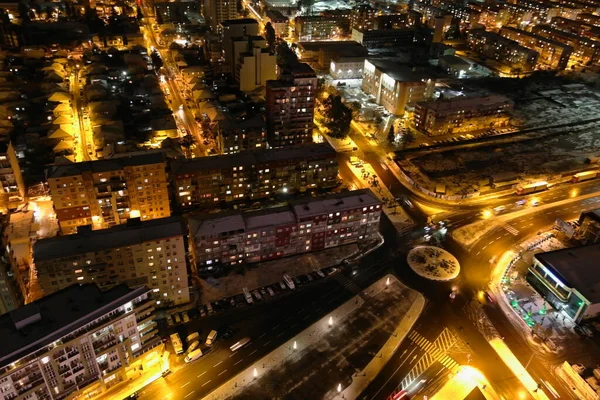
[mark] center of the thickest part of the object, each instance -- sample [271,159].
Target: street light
[339,388]
[330,321]
[295,345]
[255,373]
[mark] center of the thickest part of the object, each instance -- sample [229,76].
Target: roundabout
[433,263]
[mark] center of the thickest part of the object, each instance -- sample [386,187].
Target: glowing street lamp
[330,321]
[387,282]
[339,388]
[295,345]
[255,373]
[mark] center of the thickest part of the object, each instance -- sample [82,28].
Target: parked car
[186,318]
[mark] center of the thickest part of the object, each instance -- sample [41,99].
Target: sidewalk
[313,337]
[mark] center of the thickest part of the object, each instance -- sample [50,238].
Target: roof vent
[26,315]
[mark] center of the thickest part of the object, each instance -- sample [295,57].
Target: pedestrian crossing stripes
[510,229]
[435,351]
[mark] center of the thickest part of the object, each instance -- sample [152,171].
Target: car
[257,295]
[193,346]
[193,356]
[584,331]
[271,292]
[209,309]
[177,318]
[310,278]
[320,273]
[169,320]
[263,292]
[535,203]
[186,318]
[579,368]
[132,396]
[282,285]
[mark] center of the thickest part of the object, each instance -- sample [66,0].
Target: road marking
[206,383]
[484,247]
[276,326]
[499,237]
[231,355]
[306,317]
[491,241]
[189,394]
[479,252]
[217,364]
[318,310]
[237,362]
[253,352]
[222,372]
[281,333]
[201,374]
[301,311]
[287,319]
[185,385]
[266,343]
[262,336]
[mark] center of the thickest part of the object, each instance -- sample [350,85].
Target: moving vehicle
[192,336]
[176,342]
[193,346]
[288,281]
[210,339]
[193,356]
[532,188]
[242,343]
[584,176]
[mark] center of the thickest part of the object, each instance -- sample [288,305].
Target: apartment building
[290,103]
[580,28]
[384,37]
[390,21]
[552,54]
[279,22]
[225,240]
[362,17]
[235,134]
[462,114]
[589,19]
[150,253]
[584,49]
[396,86]
[503,50]
[76,343]
[107,192]
[322,27]
[217,12]
[12,184]
[253,175]
[255,67]
[176,11]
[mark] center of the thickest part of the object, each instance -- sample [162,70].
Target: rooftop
[342,47]
[399,72]
[578,268]
[239,21]
[455,61]
[465,103]
[249,158]
[86,241]
[111,164]
[210,224]
[56,315]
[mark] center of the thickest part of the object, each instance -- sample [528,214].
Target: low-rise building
[347,67]
[253,175]
[569,280]
[462,114]
[454,65]
[225,240]
[395,86]
[384,37]
[107,192]
[78,342]
[150,253]
[506,51]
[551,53]
[324,52]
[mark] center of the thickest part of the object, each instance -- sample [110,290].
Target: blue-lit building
[569,280]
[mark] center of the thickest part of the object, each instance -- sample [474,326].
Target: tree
[139,14]
[338,117]
[270,35]
[285,55]
[156,60]
[407,137]
[391,135]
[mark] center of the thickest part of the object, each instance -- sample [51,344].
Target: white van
[191,337]
[212,336]
[193,356]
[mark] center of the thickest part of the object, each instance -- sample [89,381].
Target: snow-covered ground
[433,263]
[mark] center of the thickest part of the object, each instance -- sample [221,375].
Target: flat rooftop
[123,235]
[578,268]
[252,158]
[56,315]
[455,61]
[400,72]
[345,47]
[466,103]
[111,164]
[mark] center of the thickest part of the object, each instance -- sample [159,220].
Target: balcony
[34,382]
[105,345]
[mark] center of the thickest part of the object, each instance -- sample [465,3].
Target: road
[182,111]
[78,113]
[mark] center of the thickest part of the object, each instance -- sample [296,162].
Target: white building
[347,67]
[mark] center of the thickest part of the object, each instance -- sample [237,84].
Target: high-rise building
[107,192]
[291,106]
[217,11]
[176,11]
[395,86]
[235,39]
[224,240]
[363,17]
[12,185]
[255,67]
[78,342]
[150,253]
[253,175]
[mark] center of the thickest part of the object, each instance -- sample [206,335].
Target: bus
[584,176]
[176,342]
[242,343]
[532,188]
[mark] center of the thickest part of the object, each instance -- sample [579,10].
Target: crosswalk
[511,229]
[434,351]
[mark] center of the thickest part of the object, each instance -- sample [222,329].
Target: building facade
[551,54]
[150,254]
[11,179]
[255,67]
[107,192]
[290,103]
[395,86]
[254,175]
[218,11]
[78,342]
[322,27]
[460,114]
[223,241]
[506,51]
[584,49]
[347,67]
[176,11]
[384,37]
